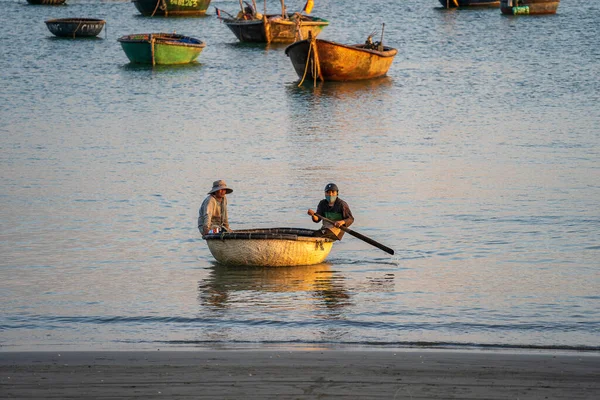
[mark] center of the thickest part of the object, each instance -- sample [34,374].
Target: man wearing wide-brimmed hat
[213,212]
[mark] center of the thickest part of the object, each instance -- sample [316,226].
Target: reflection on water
[188,68]
[339,90]
[319,283]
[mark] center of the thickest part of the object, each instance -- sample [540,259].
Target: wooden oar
[359,236]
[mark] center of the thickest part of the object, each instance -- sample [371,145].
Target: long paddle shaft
[359,236]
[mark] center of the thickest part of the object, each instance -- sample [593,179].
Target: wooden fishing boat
[161,48]
[331,61]
[177,8]
[275,28]
[528,7]
[469,3]
[75,27]
[274,247]
[47,2]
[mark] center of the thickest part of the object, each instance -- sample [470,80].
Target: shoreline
[302,374]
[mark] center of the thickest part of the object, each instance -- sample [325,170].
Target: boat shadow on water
[252,46]
[324,285]
[339,90]
[77,39]
[195,65]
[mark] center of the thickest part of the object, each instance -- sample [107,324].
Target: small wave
[376,344]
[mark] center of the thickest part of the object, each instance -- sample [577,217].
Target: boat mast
[283,8]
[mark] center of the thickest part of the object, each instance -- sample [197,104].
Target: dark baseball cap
[331,186]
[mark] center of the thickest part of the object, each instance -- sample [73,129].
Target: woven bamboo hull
[469,3]
[530,7]
[341,62]
[258,248]
[275,29]
[75,27]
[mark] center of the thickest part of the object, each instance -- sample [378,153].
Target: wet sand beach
[270,374]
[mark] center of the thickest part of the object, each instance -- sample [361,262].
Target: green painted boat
[176,8]
[161,48]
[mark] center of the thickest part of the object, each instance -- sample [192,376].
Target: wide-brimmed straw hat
[218,185]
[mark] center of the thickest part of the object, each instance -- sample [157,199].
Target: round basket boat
[75,27]
[273,247]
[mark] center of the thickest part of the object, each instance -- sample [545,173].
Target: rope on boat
[316,65]
[298,30]
[164,8]
[152,49]
[76,29]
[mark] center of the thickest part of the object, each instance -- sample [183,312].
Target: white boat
[272,247]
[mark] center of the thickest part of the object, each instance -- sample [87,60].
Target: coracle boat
[166,8]
[469,3]
[251,26]
[316,58]
[75,27]
[161,48]
[528,7]
[273,247]
[47,2]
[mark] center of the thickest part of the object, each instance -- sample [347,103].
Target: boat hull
[340,62]
[161,48]
[469,3]
[275,29]
[47,2]
[75,27]
[268,247]
[528,7]
[150,8]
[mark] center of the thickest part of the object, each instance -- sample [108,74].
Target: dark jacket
[337,212]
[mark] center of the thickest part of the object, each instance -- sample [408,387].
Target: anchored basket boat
[176,8]
[273,247]
[275,28]
[339,62]
[528,7]
[75,27]
[161,48]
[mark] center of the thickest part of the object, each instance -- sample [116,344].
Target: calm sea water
[476,159]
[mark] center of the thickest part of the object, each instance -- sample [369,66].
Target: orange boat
[330,61]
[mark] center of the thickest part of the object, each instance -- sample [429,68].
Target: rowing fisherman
[335,209]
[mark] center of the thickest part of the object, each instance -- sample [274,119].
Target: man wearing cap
[213,212]
[335,209]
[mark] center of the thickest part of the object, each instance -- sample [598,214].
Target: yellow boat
[272,247]
[329,61]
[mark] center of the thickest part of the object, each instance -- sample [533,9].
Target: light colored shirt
[213,213]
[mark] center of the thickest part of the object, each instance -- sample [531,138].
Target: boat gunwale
[292,234]
[75,20]
[387,51]
[162,38]
[272,19]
